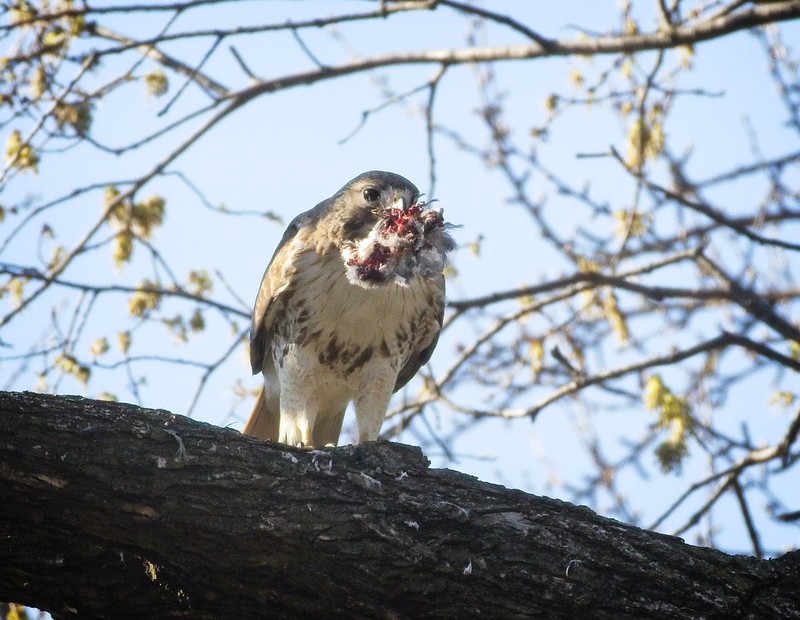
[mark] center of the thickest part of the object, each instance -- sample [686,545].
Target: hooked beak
[400,203]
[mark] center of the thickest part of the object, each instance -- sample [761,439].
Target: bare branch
[515,25]
[754,16]
[589,278]
[748,518]
[33,274]
[149,50]
[752,302]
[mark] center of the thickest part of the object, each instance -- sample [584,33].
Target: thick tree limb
[108,510]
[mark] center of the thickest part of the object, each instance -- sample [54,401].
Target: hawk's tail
[328,428]
[264,421]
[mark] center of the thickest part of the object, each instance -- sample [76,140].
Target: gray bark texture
[111,510]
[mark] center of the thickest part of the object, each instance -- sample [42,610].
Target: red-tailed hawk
[350,307]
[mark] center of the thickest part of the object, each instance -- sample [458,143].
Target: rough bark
[111,510]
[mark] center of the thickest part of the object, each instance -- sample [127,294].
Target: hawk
[349,308]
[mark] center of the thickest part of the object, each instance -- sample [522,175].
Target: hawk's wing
[421,357]
[270,288]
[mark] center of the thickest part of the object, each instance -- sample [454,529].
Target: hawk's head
[389,234]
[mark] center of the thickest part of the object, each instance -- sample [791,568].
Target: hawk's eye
[371,194]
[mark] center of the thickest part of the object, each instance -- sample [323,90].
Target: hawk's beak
[400,203]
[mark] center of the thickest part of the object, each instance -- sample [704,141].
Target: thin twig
[748,518]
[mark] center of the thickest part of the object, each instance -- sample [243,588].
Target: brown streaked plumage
[347,311]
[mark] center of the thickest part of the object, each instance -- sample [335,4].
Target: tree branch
[168,516]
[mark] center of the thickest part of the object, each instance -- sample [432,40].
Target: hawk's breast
[328,321]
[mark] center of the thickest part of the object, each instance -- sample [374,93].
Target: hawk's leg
[313,399]
[299,403]
[371,405]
